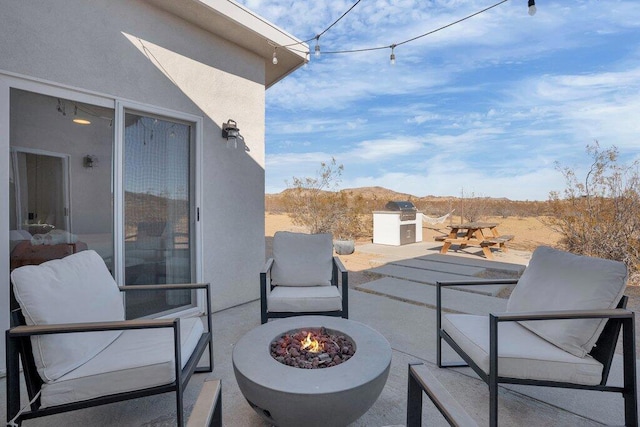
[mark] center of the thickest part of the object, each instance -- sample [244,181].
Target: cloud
[385,148]
[488,105]
[591,106]
[445,183]
[424,117]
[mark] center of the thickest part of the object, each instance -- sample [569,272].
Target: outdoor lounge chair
[303,277]
[77,349]
[560,330]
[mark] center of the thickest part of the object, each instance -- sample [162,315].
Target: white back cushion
[557,280]
[302,259]
[75,289]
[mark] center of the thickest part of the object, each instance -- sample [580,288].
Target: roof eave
[239,25]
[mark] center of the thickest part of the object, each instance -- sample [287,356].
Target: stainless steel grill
[407,209]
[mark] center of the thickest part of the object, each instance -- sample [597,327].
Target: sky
[489,107]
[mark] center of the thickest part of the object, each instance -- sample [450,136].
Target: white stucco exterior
[146,52]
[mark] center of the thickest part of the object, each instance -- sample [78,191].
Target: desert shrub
[473,208]
[599,215]
[316,203]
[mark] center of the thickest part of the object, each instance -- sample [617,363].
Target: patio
[389,292]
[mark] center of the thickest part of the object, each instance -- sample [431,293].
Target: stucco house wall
[136,51]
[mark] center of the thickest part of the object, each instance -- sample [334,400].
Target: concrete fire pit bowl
[334,396]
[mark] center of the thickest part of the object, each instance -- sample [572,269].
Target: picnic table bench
[472,234]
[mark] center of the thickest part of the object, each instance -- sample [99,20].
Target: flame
[311,345]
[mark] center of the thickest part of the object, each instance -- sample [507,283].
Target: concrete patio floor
[394,298]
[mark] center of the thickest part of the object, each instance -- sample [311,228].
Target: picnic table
[483,234]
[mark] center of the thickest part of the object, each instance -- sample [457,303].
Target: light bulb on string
[317,49]
[275,57]
[393,55]
[532,7]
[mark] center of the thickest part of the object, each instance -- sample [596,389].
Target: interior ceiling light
[79,120]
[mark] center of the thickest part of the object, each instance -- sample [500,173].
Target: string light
[392,58]
[317,37]
[275,58]
[421,35]
[326,29]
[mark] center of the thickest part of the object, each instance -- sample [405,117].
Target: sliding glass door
[114,179]
[158,206]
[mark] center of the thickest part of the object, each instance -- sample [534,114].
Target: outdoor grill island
[399,224]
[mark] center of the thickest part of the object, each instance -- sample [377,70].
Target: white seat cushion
[522,354]
[302,259]
[137,359]
[557,280]
[304,299]
[75,289]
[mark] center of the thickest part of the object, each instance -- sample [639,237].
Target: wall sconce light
[230,129]
[89,161]
[230,132]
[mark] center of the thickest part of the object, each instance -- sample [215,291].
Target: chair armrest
[440,285]
[338,267]
[64,328]
[338,263]
[612,313]
[165,287]
[265,289]
[479,282]
[266,268]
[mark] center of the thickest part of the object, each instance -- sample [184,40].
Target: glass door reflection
[157,212]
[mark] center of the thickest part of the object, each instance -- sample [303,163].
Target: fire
[311,344]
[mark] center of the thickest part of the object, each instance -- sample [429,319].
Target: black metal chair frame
[603,351]
[419,381]
[339,276]
[18,348]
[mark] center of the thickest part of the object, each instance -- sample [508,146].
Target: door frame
[8,81]
[66,194]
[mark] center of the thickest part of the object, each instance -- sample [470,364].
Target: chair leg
[178,369]
[13,378]
[414,401]
[179,408]
[493,371]
[438,324]
[345,295]
[263,298]
[629,367]
[439,350]
[493,403]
